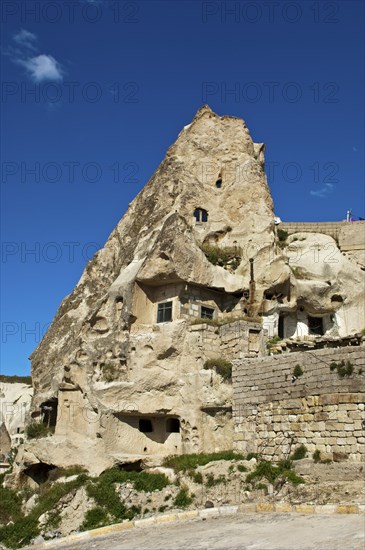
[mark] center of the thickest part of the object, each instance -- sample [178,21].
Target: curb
[262,507]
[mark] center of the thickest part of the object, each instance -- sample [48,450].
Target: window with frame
[164,312]
[200,215]
[206,312]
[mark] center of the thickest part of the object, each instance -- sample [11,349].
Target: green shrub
[298,371]
[241,468]
[343,369]
[189,462]
[299,453]
[282,235]
[182,499]
[24,529]
[276,475]
[162,508]
[316,455]
[94,518]
[221,366]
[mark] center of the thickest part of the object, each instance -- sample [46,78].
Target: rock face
[119,374]
[15,399]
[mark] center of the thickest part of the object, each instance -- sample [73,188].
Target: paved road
[240,532]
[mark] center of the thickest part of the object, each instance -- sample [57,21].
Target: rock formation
[119,376]
[15,399]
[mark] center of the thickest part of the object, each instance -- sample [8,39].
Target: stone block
[347,509]
[304,509]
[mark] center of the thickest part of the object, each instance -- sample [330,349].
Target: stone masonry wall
[273,415]
[232,340]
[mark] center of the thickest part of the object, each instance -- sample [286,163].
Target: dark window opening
[164,312]
[218,183]
[200,215]
[207,312]
[315,325]
[173,425]
[18,430]
[49,412]
[281,327]
[145,425]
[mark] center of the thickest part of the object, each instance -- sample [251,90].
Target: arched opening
[218,183]
[200,215]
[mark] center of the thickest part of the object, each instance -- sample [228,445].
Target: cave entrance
[39,472]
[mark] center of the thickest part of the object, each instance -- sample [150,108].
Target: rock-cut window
[200,215]
[145,425]
[164,312]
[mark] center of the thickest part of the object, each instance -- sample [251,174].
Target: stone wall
[350,236]
[274,414]
[231,340]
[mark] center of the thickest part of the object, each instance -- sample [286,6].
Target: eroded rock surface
[120,374]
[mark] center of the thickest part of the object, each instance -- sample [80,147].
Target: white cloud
[25,52]
[42,67]
[25,39]
[323,192]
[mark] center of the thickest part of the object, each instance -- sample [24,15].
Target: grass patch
[221,367]
[182,463]
[228,257]
[94,518]
[272,342]
[212,481]
[36,430]
[10,505]
[196,477]
[182,499]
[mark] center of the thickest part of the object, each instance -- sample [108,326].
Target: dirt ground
[239,532]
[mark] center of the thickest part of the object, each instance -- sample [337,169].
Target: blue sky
[93,94]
